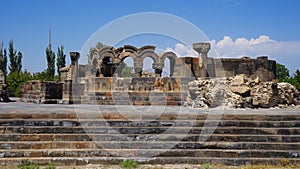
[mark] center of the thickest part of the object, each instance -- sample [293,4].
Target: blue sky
[273,25]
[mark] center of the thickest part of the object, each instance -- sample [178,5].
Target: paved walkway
[84,108]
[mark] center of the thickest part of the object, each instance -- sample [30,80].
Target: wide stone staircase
[173,136]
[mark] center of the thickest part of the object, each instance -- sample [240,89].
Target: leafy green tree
[297,75]
[17,79]
[61,59]
[295,80]
[14,58]
[40,76]
[50,56]
[282,73]
[126,71]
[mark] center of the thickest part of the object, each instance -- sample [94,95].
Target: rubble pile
[241,92]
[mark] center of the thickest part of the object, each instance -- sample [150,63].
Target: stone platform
[78,135]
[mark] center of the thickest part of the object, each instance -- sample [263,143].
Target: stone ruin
[241,92]
[3,94]
[40,91]
[101,81]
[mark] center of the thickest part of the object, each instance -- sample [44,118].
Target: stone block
[81,145]
[33,153]
[41,145]
[60,145]
[30,137]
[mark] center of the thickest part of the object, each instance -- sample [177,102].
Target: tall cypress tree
[14,58]
[50,56]
[61,59]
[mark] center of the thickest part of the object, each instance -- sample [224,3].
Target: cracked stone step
[150,137]
[149,130]
[15,153]
[148,145]
[145,123]
[114,114]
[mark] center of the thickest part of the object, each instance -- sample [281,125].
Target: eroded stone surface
[241,92]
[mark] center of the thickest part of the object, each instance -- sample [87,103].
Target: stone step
[150,137]
[112,115]
[71,161]
[147,123]
[149,130]
[148,145]
[15,153]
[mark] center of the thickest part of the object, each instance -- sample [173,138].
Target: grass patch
[129,164]
[25,164]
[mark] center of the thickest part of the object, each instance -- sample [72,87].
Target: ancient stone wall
[42,92]
[103,74]
[260,67]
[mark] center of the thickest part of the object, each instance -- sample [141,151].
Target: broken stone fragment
[241,92]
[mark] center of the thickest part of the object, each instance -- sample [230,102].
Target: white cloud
[183,51]
[284,52]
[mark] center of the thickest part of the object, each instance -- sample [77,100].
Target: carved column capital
[158,66]
[201,47]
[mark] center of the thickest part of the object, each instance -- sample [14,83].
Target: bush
[16,80]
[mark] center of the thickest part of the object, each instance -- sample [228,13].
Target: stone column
[202,49]
[158,67]
[74,65]
[138,68]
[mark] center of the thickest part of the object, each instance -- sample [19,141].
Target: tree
[40,76]
[14,58]
[19,61]
[297,76]
[61,59]
[3,61]
[126,70]
[16,80]
[50,56]
[295,80]
[98,46]
[282,73]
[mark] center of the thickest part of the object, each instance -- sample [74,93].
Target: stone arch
[129,51]
[149,53]
[172,57]
[107,68]
[106,62]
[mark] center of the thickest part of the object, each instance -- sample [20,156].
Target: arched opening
[169,64]
[148,70]
[107,67]
[126,67]
[166,70]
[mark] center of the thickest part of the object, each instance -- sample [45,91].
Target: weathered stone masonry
[100,80]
